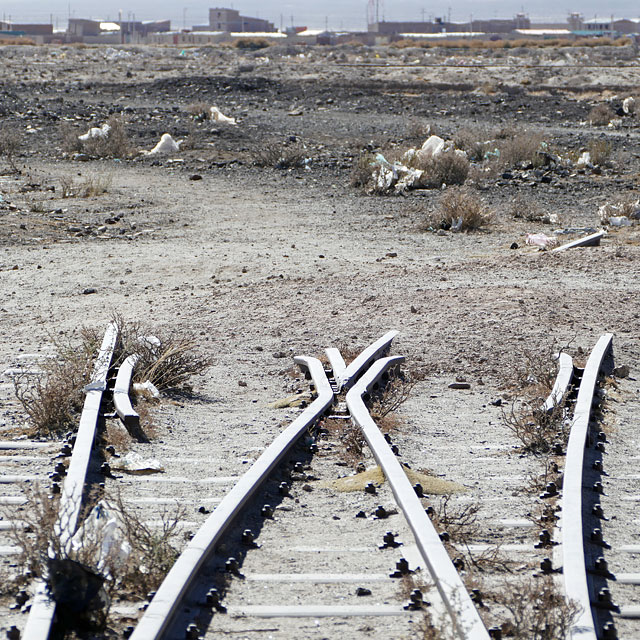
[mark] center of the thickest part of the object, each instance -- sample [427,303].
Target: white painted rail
[561,384]
[40,619]
[573,559]
[465,618]
[121,399]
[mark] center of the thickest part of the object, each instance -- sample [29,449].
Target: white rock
[166,145]
[218,116]
[629,105]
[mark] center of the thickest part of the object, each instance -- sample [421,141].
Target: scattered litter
[218,116]
[166,145]
[619,215]
[134,463]
[98,385]
[629,105]
[540,240]
[146,389]
[619,221]
[432,147]
[96,132]
[456,225]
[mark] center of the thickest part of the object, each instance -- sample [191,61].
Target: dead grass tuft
[536,429]
[527,209]
[600,115]
[447,168]
[460,210]
[536,609]
[362,170]
[199,111]
[10,146]
[115,144]
[600,152]
[92,186]
[522,149]
[284,156]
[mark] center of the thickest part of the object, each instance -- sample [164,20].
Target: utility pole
[422,12]
[184,17]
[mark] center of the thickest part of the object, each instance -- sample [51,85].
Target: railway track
[277,549]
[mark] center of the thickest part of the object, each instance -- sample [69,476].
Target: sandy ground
[262,264]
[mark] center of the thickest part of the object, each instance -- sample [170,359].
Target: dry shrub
[461,523]
[166,358]
[10,146]
[522,148]
[446,168]
[537,430]
[536,609]
[90,187]
[115,144]
[526,209]
[53,397]
[251,44]
[460,209]
[600,115]
[152,550]
[600,152]
[362,170]
[349,437]
[418,129]
[280,157]
[199,111]
[473,142]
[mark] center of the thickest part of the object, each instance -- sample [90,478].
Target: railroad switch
[390,541]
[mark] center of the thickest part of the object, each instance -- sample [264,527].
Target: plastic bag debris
[146,389]
[629,105]
[95,132]
[619,215]
[456,225]
[98,385]
[135,464]
[540,240]
[432,147]
[584,160]
[166,145]
[619,221]
[218,116]
[103,530]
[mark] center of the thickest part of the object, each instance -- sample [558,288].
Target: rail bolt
[361,514]
[597,511]
[105,469]
[602,436]
[55,488]
[66,450]
[600,566]
[557,451]
[476,597]
[600,446]
[402,566]
[60,468]
[298,467]
[266,511]
[248,539]
[389,540]
[380,512]
[609,631]
[458,563]
[597,465]
[232,566]
[430,511]
[598,488]
[387,437]
[604,596]
[283,489]
[370,488]
[495,633]
[395,450]
[415,600]
[445,537]
[546,565]
[418,489]
[191,632]
[596,536]
[212,598]
[55,477]
[127,631]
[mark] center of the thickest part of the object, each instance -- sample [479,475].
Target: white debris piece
[584,159]
[540,240]
[619,221]
[146,389]
[134,463]
[96,132]
[433,146]
[617,215]
[166,145]
[218,116]
[629,105]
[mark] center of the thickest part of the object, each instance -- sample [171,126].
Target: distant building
[107,32]
[230,20]
[27,29]
[441,26]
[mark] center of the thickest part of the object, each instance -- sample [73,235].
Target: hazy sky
[346,14]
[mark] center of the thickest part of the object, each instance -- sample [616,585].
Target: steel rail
[486,65]
[121,400]
[561,384]
[592,240]
[160,613]
[573,559]
[464,615]
[345,376]
[42,612]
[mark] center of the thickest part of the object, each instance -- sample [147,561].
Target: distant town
[227,25]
